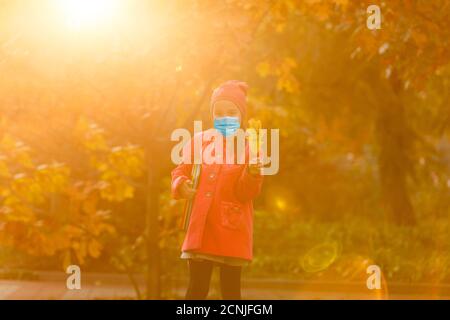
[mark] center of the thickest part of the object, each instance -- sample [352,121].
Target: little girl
[220,230]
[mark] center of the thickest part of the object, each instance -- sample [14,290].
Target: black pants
[200,275]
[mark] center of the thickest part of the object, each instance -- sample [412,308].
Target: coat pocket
[231,215]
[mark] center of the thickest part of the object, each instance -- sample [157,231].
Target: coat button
[209,194]
[212,175]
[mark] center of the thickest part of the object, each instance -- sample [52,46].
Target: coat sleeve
[248,186]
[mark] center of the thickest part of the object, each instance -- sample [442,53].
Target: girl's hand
[255,169]
[186,190]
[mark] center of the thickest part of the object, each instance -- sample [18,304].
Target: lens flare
[280,204]
[320,257]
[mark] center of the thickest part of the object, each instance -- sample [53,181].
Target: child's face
[224,108]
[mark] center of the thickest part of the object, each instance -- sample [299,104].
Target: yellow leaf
[4,171]
[94,248]
[263,69]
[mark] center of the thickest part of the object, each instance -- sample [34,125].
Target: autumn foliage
[86,117]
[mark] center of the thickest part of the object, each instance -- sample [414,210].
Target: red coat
[222,215]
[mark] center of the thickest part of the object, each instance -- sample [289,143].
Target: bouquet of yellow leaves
[255,137]
[255,140]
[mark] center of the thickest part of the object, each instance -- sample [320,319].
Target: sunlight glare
[80,14]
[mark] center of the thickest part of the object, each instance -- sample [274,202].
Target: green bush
[418,253]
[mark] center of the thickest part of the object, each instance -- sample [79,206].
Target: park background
[90,92]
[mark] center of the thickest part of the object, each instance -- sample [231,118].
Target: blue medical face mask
[227,125]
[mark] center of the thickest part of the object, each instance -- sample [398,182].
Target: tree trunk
[395,143]
[153,276]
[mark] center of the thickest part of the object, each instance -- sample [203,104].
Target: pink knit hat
[234,91]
